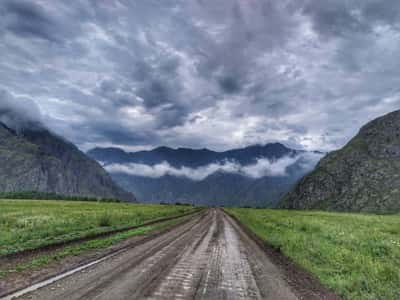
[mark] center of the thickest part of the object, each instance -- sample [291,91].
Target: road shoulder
[303,284]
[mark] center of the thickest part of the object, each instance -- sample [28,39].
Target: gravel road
[209,257]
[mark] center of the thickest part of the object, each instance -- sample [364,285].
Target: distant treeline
[176,203]
[32,195]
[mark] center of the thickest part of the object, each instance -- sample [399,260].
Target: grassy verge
[356,255]
[75,250]
[31,224]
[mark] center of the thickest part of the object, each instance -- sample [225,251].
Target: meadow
[355,255]
[31,224]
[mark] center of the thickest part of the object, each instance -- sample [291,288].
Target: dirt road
[209,257]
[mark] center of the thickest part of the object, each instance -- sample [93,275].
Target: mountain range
[257,175]
[363,176]
[35,159]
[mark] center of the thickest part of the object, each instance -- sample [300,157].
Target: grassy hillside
[363,176]
[356,255]
[29,224]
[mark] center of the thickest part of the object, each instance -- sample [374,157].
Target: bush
[105,220]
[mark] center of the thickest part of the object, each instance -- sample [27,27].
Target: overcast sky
[201,73]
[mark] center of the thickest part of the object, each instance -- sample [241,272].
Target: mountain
[186,157]
[258,175]
[363,176]
[37,160]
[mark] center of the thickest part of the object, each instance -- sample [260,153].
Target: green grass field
[45,259]
[356,255]
[30,224]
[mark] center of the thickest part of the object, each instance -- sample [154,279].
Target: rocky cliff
[37,160]
[363,176]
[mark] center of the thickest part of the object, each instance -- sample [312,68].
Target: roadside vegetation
[356,255]
[46,259]
[31,224]
[33,195]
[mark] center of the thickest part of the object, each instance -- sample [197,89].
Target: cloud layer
[18,113]
[261,168]
[221,74]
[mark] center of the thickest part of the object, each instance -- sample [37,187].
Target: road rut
[209,257]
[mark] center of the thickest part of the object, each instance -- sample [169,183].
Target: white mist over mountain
[261,168]
[18,113]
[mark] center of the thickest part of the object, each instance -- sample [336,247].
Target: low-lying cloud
[18,113]
[261,168]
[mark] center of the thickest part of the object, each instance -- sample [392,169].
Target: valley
[122,250]
[216,150]
[209,256]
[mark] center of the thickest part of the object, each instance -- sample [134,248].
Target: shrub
[104,220]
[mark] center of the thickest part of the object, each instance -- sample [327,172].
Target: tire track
[208,257]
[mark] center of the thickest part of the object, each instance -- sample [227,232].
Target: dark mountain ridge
[218,187]
[363,176]
[191,157]
[35,159]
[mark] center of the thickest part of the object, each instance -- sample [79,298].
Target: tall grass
[28,224]
[356,255]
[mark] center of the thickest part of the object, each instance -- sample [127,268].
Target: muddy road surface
[209,257]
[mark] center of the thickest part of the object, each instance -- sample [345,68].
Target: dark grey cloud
[229,85]
[202,73]
[28,19]
[31,19]
[349,18]
[335,19]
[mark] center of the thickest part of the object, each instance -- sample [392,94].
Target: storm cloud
[199,73]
